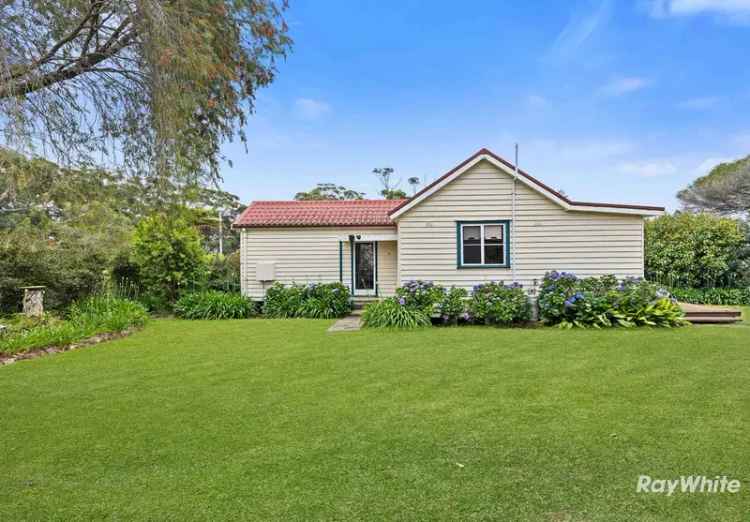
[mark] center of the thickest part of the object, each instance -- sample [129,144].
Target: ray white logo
[687,484]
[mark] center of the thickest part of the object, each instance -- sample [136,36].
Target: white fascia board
[616,210]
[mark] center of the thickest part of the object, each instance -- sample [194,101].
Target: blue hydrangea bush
[452,305]
[499,304]
[420,295]
[568,301]
[490,303]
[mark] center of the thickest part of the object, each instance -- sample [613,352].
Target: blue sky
[609,101]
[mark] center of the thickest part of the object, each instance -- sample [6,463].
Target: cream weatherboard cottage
[481,221]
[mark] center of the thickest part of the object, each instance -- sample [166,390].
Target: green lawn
[278,420]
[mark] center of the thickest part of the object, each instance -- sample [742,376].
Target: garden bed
[53,349]
[92,317]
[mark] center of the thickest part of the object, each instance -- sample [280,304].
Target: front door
[364,268]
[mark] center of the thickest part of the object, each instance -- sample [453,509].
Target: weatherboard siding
[310,255]
[545,237]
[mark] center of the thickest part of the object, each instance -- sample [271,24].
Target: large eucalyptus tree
[150,86]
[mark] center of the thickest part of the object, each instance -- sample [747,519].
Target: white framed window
[483,244]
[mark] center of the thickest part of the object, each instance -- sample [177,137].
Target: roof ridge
[334,201]
[321,212]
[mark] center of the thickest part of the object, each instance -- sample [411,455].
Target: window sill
[461,267]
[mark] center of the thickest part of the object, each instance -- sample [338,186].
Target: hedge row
[713,296]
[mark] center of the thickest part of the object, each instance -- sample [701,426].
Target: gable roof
[506,166]
[319,213]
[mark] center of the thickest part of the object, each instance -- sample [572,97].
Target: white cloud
[624,85]
[733,10]
[535,101]
[309,109]
[648,169]
[583,153]
[579,29]
[699,104]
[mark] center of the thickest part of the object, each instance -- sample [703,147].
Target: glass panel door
[364,267]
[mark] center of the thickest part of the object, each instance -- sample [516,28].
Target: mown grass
[278,420]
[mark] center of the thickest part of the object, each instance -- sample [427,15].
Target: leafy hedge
[393,313]
[91,316]
[213,304]
[315,301]
[713,296]
[569,301]
[697,250]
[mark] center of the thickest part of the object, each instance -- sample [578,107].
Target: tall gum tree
[153,87]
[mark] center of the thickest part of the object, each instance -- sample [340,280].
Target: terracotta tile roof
[358,212]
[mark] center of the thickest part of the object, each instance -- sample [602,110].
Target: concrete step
[359,302]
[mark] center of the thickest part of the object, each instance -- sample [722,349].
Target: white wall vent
[265,271]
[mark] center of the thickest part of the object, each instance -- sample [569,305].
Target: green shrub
[663,313]
[697,250]
[212,304]
[282,301]
[496,303]
[88,317]
[452,305]
[421,295]
[69,262]
[568,301]
[391,313]
[325,301]
[169,255]
[314,301]
[713,296]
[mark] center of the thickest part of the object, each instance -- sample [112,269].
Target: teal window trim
[506,243]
